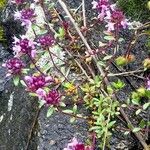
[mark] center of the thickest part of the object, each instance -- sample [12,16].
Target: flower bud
[146,63]
[121,61]
[141,91]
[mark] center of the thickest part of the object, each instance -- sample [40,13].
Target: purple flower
[46,40]
[50,98]
[75,145]
[102,6]
[26,16]
[14,66]
[18,2]
[115,19]
[110,15]
[37,81]
[148,84]
[24,46]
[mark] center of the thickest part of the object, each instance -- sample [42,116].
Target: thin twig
[77,9]
[83,11]
[32,127]
[63,5]
[126,78]
[36,67]
[76,61]
[51,28]
[82,69]
[124,73]
[57,67]
[59,58]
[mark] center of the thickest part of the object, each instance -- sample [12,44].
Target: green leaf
[75,108]
[33,94]
[129,126]
[63,70]
[110,124]
[142,123]
[135,101]
[126,133]
[110,90]
[95,128]
[138,111]
[16,80]
[73,119]
[148,93]
[62,104]
[107,57]
[128,101]
[61,33]
[123,105]
[91,81]
[101,44]
[135,98]
[101,63]
[41,103]
[79,115]
[25,71]
[117,113]
[118,85]
[50,111]
[109,38]
[68,111]
[146,105]
[68,85]
[23,83]
[136,129]
[121,40]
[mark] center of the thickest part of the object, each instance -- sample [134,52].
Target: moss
[136,9]
[2,36]
[2,4]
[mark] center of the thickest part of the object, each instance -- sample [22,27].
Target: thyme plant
[56,46]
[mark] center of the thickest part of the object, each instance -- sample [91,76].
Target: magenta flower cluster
[26,16]
[18,2]
[53,97]
[14,66]
[37,84]
[37,81]
[112,16]
[76,145]
[46,40]
[50,98]
[24,46]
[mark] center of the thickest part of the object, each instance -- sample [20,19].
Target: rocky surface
[56,131]
[17,109]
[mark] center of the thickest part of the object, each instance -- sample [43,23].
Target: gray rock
[56,131]
[17,113]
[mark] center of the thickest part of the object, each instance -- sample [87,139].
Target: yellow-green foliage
[2,4]
[136,9]
[1,34]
